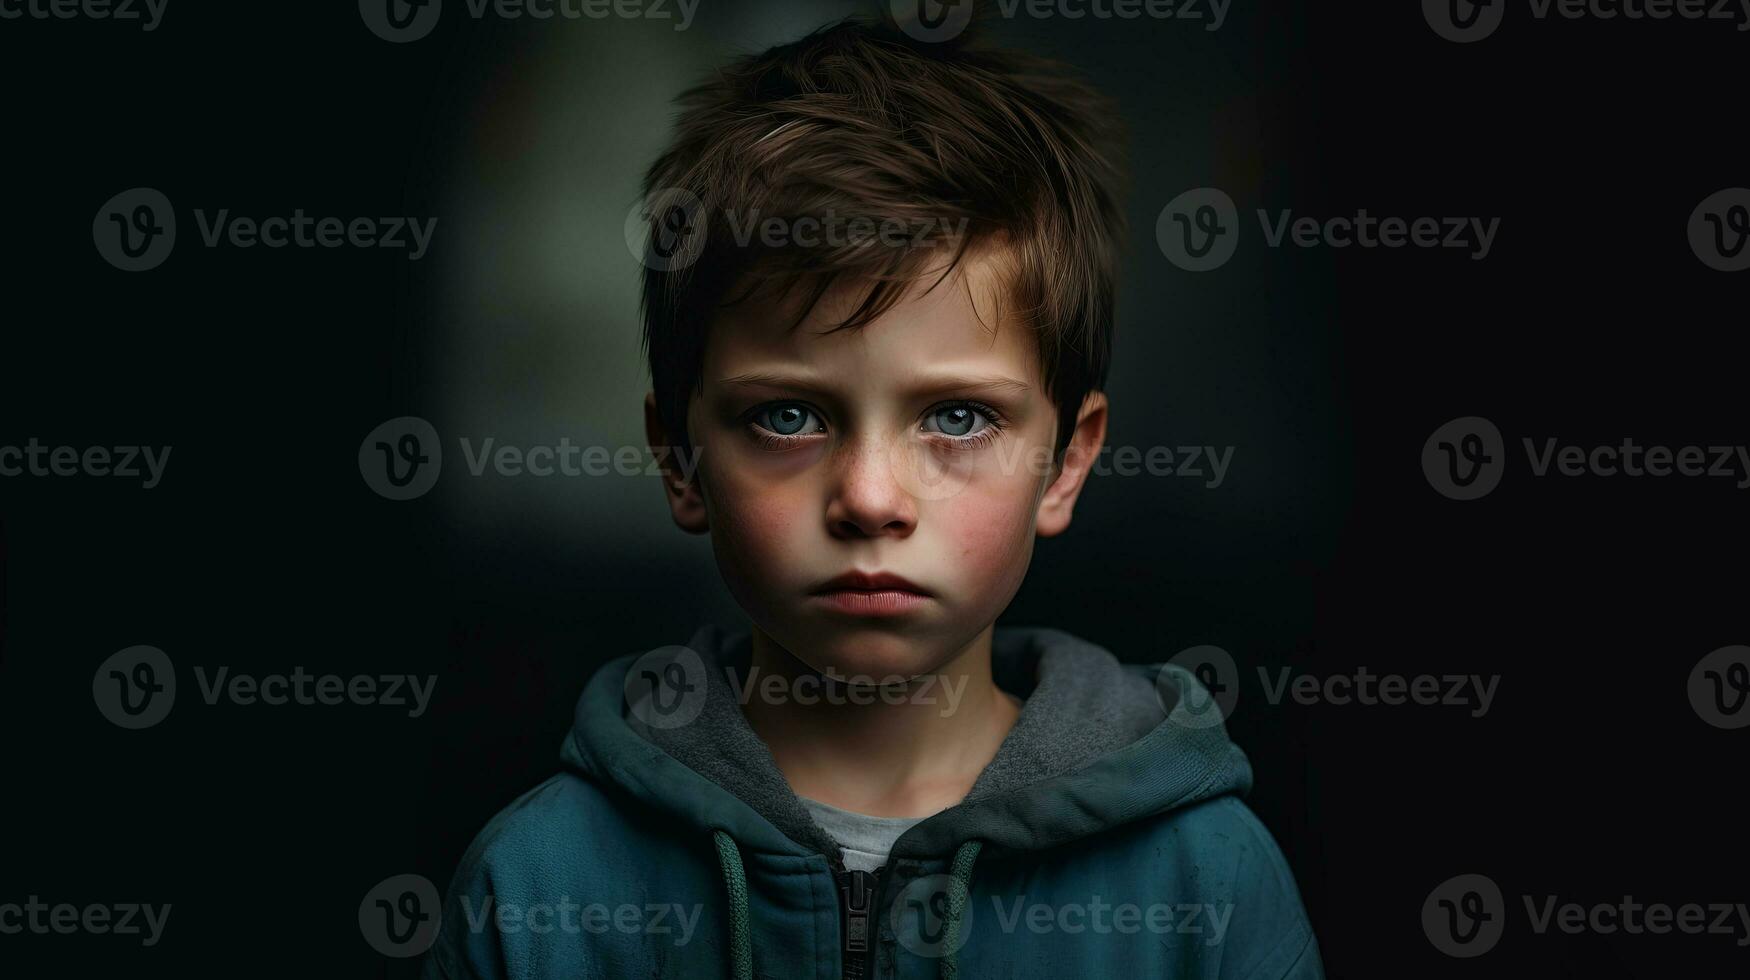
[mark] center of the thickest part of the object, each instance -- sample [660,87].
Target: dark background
[1326,549]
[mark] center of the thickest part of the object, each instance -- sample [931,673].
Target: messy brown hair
[978,147]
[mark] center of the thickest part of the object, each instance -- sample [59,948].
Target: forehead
[966,320]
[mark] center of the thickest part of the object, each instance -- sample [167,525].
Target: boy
[878,307]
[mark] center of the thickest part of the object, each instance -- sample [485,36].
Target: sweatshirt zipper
[857,924]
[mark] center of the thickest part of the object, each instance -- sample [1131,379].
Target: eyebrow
[929,385]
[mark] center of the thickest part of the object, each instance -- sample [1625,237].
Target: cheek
[990,529]
[756,521]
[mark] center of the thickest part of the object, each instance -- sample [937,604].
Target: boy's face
[917,446]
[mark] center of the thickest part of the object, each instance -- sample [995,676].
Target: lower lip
[885,602]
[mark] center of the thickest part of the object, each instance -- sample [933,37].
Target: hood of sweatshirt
[1098,744]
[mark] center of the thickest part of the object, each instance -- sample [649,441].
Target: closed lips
[869,582]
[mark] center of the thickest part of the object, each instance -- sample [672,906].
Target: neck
[906,751]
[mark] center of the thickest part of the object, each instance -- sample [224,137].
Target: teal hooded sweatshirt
[1105,839]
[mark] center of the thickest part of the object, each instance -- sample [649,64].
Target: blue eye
[785,418]
[960,420]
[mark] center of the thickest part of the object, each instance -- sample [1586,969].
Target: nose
[867,499]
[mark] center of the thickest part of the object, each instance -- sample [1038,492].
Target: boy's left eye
[958,420]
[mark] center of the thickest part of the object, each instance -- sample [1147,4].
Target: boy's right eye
[785,419]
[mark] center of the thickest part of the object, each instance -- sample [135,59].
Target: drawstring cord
[959,892]
[741,931]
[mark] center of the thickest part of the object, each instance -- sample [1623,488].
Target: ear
[1078,460]
[680,473]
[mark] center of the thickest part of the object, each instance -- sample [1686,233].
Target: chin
[865,652]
